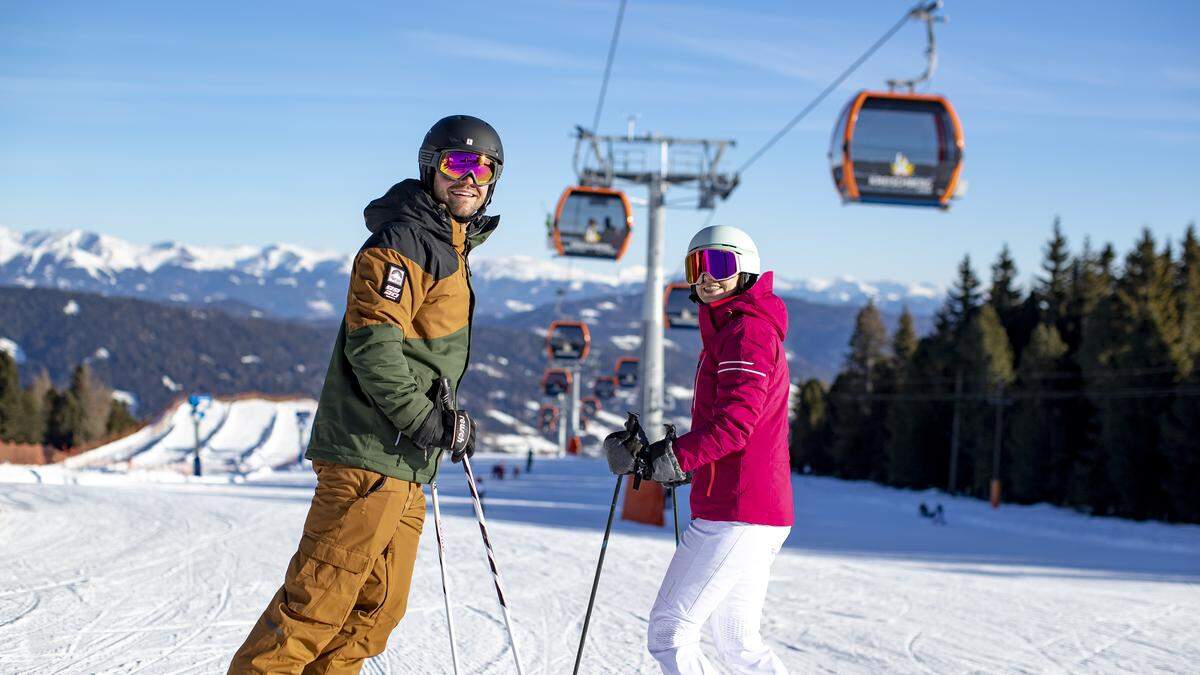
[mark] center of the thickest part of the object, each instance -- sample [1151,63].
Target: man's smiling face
[462,197]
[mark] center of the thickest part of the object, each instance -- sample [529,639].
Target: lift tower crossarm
[657,175]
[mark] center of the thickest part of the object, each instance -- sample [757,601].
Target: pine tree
[858,432]
[1188,292]
[1037,438]
[37,407]
[1181,452]
[988,367]
[904,342]
[1003,296]
[64,424]
[917,422]
[964,298]
[10,399]
[810,451]
[1053,290]
[120,420]
[95,402]
[1150,356]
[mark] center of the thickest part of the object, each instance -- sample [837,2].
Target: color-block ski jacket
[408,323]
[737,449]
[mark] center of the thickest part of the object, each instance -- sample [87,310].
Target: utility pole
[997,444]
[573,407]
[954,431]
[674,161]
[561,425]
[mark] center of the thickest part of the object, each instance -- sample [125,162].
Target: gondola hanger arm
[926,13]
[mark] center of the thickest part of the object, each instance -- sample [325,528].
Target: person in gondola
[611,236]
[381,425]
[735,456]
[591,233]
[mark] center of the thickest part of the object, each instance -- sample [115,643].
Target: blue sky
[250,123]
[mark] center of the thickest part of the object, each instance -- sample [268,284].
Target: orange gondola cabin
[568,341]
[626,371]
[556,381]
[592,222]
[897,148]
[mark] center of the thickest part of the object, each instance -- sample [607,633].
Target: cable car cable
[837,82]
[612,51]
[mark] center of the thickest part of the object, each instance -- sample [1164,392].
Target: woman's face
[710,290]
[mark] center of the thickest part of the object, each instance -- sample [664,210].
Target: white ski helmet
[729,239]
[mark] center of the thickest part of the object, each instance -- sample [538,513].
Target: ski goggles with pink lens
[456,164]
[717,263]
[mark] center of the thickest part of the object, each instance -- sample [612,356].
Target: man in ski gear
[381,425]
[737,456]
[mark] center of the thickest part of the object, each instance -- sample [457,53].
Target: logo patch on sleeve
[393,282]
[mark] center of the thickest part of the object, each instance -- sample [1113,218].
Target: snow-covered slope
[293,282]
[236,436]
[108,573]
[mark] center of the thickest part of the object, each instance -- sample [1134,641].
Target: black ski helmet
[460,132]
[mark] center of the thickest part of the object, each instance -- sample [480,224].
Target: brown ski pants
[346,587]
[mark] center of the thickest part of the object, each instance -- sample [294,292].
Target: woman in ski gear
[736,455]
[380,428]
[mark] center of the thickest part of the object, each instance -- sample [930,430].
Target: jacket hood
[410,203]
[759,300]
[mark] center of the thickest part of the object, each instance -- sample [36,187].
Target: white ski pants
[719,574]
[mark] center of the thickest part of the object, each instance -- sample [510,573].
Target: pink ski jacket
[737,449]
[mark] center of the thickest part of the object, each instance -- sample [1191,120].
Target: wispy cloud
[458,46]
[766,56]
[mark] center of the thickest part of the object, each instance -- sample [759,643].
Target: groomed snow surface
[103,571]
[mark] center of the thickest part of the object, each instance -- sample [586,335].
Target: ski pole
[437,524]
[670,435]
[487,544]
[587,618]
[675,516]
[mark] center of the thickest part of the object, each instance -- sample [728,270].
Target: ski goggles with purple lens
[456,164]
[717,263]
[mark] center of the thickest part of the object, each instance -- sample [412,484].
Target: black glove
[447,428]
[622,447]
[662,465]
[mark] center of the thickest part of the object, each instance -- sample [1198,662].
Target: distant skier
[529,461]
[936,514]
[737,454]
[378,435]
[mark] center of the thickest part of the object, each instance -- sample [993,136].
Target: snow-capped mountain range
[296,283]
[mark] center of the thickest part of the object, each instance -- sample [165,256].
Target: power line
[990,397]
[837,82]
[612,51]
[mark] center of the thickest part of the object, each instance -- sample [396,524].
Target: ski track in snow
[137,577]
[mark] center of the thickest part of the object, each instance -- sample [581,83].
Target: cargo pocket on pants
[327,583]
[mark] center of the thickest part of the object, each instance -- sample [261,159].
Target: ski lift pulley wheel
[568,340]
[897,148]
[678,309]
[556,381]
[626,371]
[592,222]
